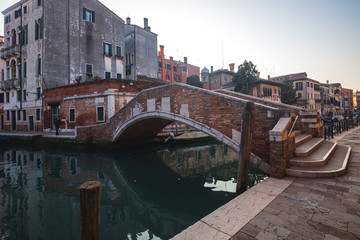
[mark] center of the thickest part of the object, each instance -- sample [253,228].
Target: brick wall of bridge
[218,111]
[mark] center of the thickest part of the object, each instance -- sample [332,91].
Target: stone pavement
[291,208]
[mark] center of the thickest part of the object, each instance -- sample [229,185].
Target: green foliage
[288,92]
[245,76]
[194,80]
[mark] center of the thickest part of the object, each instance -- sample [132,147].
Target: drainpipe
[20,42]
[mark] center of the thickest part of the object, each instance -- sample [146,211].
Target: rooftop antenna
[222,48]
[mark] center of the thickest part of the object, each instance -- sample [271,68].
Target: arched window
[13,69]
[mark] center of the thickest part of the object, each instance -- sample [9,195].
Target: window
[167,77]
[39,2]
[7,97]
[18,115]
[311,84]
[204,79]
[307,83]
[160,64]
[118,52]
[89,69]
[39,65]
[38,28]
[184,69]
[24,115]
[299,86]
[1,97]
[24,95]
[72,115]
[19,96]
[175,69]
[118,76]
[299,95]
[100,114]
[24,70]
[17,13]
[88,15]
[107,75]
[107,50]
[25,9]
[38,93]
[2,75]
[7,19]
[25,34]
[38,114]
[167,66]
[7,115]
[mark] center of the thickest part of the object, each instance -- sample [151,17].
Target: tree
[288,92]
[245,76]
[194,80]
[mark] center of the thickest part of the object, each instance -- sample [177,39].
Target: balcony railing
[11,83]
[10,51]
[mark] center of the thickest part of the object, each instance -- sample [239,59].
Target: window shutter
[39,66]
[93,16]
[41,27]
[84,13]
[26,34]
[104,48]
[36,30]
[110,50]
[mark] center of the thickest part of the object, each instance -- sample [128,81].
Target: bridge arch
[175,118]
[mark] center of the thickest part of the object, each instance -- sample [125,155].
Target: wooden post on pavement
[90,210]
[245,147]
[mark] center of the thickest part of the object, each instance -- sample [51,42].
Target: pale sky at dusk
[320,37]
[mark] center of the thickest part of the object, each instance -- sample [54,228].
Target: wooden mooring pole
[245,147]
[89,213]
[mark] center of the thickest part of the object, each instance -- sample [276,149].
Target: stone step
[300,139]
[309,120]
[318,158]
[335,167]
[297,132]
[308,113]
[308,147]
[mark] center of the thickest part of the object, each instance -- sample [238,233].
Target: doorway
[54,115]
[2,121]
[31,123]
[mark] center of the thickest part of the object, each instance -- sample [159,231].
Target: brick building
[55,43]
[90,103]
[172,71]
[213,80]
[2,77]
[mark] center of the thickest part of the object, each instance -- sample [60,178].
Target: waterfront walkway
[291,208]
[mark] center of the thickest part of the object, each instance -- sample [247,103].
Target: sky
[320,37]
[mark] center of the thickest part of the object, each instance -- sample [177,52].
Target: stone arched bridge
[216,114]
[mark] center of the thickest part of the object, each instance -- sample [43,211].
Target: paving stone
[294,236]
[279,232]
[330,237]
[272,210]
[266,236]
[250,230]
[336,232]
[328,220]
[241,236]
[260,223]
[289,217]
[203,230]
[354,228]
[338,188]
[344,216]
[309,230]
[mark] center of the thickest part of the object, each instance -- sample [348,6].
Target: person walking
[57,123]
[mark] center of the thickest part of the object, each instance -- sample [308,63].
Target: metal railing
[335,127]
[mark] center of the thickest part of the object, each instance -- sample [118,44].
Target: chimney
[146,23]
[185,60]
[232,67]
[327,82]
[268,77]
[258,74]
[128,20]
[161,53]
[171,58]
[212,68]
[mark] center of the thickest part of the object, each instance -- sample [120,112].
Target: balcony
[10,51]
[11,83]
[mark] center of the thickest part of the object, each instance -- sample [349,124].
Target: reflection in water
[145,195]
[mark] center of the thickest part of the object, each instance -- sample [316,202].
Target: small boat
[3,140]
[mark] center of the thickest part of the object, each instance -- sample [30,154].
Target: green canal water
[145,194]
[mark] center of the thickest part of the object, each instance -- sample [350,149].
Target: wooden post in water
[245,147]
[90,210]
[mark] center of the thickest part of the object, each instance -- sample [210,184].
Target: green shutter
[110,50]
[93,16]
[26,34]
[104,48]
[41,27]
[84,13]
[39,66]
[36,30]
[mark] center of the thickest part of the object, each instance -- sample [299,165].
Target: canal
[145,194]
